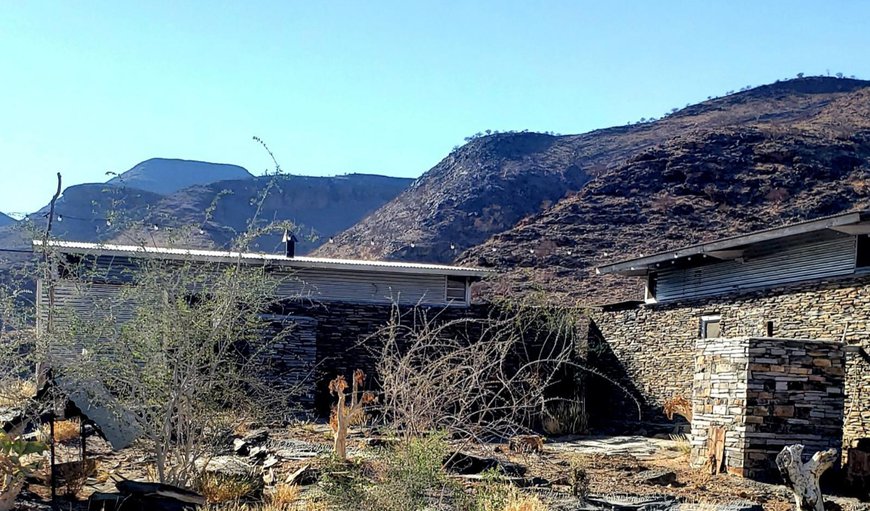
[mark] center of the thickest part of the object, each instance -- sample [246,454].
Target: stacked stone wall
[654,344]
[766,394]
[346,336]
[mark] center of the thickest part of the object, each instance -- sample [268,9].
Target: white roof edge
[252,257]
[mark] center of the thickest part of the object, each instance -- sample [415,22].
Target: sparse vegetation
[219,487]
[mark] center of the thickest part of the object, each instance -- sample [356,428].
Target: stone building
[330,306]
[767,333]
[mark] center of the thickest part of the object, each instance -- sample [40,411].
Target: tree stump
[803,478]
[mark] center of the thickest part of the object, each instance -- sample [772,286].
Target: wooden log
[803,478]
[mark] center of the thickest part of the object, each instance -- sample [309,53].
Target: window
[710,326]
[456,289]
[862,254]
[651,285]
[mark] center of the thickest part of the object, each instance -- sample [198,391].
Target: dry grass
[306,505]
[64,431]
[14,392]
[683,444]
[518,501]
[219,488]
[284,495]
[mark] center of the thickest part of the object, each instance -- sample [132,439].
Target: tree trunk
[340,447]
[803,479]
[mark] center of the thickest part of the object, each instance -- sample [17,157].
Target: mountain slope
[6,220]
[319,206]
[492,183]
[166,176]
[700,185]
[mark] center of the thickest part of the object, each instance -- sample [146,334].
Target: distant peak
[169,175]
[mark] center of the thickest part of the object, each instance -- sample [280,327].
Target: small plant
[14,467]
[284,495]
[216,487]
[414,474]
[344,415]
[72,476]
[64,431]
[497,495]
[579,480]
[683,444]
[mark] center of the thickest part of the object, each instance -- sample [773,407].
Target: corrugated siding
[324,284]
[365,287]
[84,300]
[769,265]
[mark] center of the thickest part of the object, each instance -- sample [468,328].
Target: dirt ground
[612,465]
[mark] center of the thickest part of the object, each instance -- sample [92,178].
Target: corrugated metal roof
[254,257]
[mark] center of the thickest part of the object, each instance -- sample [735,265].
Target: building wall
[766,394]
[654,344]
[346,336]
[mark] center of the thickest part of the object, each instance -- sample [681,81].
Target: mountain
[166,176]
[699,186]
[319,206]
[495,182]
[6,220]
[545,210]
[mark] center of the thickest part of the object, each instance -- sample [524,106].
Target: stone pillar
[767,393]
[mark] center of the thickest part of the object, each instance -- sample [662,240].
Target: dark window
[862,258]
[710,326]
[770,328]
[651,284]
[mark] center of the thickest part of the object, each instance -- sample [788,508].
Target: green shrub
[407,477]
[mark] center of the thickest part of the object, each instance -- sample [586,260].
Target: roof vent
[289,243]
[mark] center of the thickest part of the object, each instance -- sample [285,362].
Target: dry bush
[72,476]
[64,431]
[496,495]
[479,379]
[14,391]
[518,501]
[218,488]
[565,418]
[683,444]
[284,495]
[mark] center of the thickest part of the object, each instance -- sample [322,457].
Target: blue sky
[385,87]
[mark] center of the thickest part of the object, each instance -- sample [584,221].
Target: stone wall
[766,394]
[291,358]
[346,336]
[653,345]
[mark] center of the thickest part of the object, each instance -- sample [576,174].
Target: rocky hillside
[319,207]
[496,182]
[701,184]
[211,215]
[166,176]
[6,220]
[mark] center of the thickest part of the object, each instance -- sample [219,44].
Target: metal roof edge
[255,257]
[633,265]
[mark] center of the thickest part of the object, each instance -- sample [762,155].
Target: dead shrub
[496,495]
[284,495]
[64,431]
[683,444]
[478,378]
[217,487]
[13,392]
[72,476]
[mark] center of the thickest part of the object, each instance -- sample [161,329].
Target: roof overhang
[854,223]
[134,251]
